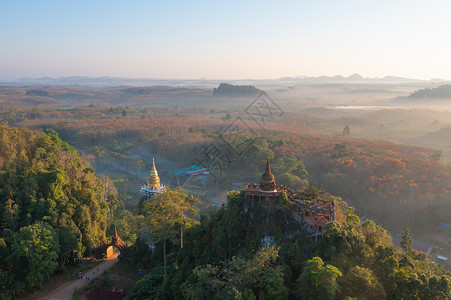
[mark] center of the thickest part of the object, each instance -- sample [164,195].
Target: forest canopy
[226,257]
[53,207]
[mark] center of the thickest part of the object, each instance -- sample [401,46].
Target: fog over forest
[225,150]
[379,146]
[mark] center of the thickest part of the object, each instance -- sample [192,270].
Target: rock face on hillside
[229,90]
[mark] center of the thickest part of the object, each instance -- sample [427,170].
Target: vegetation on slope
[225,257]
[53,208]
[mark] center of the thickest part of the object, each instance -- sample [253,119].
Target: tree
[139,166]
[71,248]
[10,287]
[227,117]
[239,278]
[10,215]
[187,210]
[149,286]
[292,181]
[255,155]
[385,262]
[318,281]
[122,200]
[360,282]
[125,222]
[375,235]
[291,165]
[347,131]
[438,288]
[404,284]
[37,245]
[164,214]
[406,241]
[437,155]
[283,201]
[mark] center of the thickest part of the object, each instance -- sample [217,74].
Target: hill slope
[245,251]
[53,208]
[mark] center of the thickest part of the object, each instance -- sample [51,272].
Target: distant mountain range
[83,81]
[357,77]
[106,81]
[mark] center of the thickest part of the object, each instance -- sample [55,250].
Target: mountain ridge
[117,81]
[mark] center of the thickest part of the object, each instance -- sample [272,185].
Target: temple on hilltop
[153,186]
[267,189]
[314,214]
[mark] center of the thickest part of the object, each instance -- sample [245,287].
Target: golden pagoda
[154,180]
[153,186]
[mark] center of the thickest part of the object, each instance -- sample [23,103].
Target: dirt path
[65,291]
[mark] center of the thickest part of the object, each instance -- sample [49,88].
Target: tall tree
[360,282]
[187,210]
[406,241]
[318,281]
[239,278]
[37,245]
[165,214]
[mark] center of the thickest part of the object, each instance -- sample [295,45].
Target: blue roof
[188,170]
[444,225]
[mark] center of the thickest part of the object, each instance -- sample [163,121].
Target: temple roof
[317,206]
[268,184]
[267,177]
[154,180]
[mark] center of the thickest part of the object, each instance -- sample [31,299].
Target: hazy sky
[224,39]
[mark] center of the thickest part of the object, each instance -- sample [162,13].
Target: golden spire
[154,180]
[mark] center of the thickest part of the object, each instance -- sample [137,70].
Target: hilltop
[441,92]
[54,210]
[257,250]
[230,90]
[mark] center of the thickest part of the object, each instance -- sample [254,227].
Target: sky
[224,39]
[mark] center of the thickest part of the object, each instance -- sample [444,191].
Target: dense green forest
[245,251]
[53,208]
